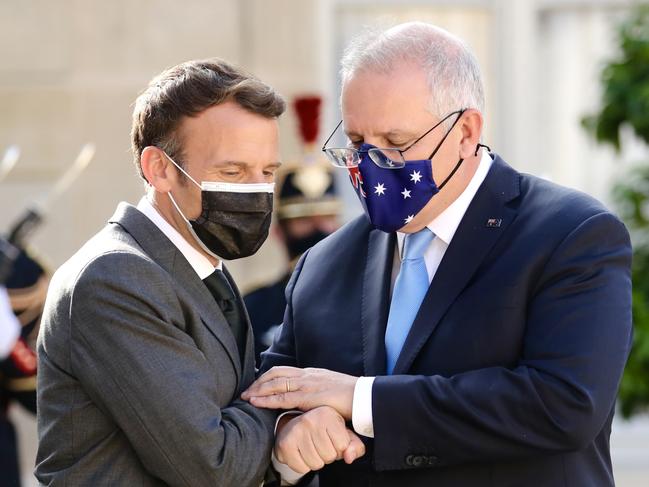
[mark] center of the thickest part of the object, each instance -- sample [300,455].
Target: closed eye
[396,144]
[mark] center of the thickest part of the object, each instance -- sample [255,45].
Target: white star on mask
[409,219]
[379,189]
[405,193]
[415,176]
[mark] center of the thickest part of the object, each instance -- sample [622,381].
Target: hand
[303,389]
[315,439]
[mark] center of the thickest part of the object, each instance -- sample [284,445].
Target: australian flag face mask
[392,197]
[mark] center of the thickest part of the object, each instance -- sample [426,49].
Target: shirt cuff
[287,475]
[362,419]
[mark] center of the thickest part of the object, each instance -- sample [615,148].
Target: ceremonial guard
[25,286]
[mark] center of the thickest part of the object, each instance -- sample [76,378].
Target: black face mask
[234,219]
[234,225]
[297,246]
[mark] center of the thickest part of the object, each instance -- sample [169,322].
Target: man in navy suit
[474,324]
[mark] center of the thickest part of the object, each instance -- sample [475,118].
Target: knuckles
[329,457]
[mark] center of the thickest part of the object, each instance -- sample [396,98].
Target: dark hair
[188,89]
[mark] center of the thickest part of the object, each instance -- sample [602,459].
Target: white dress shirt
[197,261]
[443,227]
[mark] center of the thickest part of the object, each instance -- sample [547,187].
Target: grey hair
[451,68]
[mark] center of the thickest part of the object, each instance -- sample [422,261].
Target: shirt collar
[201,264]
[446,223]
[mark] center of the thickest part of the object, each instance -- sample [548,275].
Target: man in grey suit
[145,345]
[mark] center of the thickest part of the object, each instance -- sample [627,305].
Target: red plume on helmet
[307,109]
[307,186]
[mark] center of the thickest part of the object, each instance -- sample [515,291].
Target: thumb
[355,449]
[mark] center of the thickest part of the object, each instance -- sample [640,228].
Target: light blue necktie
[409,291]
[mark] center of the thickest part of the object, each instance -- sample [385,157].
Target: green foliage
[625,101]
[633,202]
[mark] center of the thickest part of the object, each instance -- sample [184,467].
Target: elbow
[580,424]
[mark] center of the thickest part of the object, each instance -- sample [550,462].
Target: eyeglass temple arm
[449,130]
[435,126]
[331,135]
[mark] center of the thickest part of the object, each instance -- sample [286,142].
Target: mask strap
[459,163]
[457,166]
[477,148]
[191,229]
[446,135]
[178,208]
[182,170]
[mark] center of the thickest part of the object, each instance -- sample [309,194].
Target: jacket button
[421,460]
[414,460]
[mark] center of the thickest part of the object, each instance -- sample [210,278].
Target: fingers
[293,459]
[285,400]
[277,377]
[286,450]
[313,440]
[311,456]
[330,438]
[338,436]
[356,448]
[277,385]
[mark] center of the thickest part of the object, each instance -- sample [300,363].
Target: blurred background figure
[9,335]
[23,286]
[308,210]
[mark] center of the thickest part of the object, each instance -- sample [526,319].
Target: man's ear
[157,169]
[471,126]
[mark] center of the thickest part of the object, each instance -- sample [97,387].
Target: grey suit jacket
[139,373]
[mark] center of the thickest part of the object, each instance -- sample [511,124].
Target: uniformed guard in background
[308,210]
[23,285]
[26,285]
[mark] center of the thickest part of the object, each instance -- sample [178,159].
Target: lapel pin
[494,222]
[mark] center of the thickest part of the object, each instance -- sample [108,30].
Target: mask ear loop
[190,178]
[457,166]
[187,222]
[182,170]
[477,148]
[459,163]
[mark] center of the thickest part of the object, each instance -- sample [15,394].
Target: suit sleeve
[133,358]
[563,389]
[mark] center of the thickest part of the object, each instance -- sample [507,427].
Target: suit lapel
[156,245]
[482,225]
[375,300]
[209,311]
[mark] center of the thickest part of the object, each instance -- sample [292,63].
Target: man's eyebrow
[388,134]
[274,164]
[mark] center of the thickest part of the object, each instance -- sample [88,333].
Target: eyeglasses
[386,158]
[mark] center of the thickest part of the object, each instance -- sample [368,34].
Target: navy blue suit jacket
[510,371]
